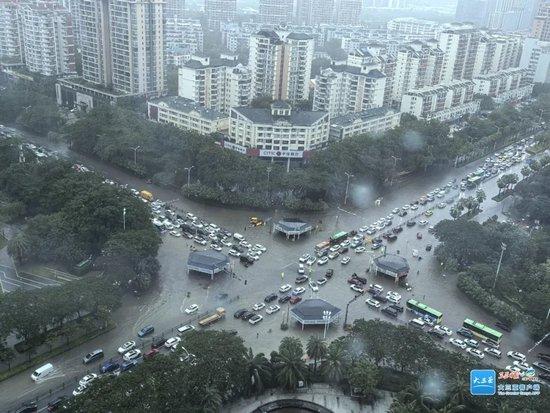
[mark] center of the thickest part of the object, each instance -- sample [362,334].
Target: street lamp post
[137,148]
[124,219]
[347,309]
[326,319]
[395,159]
[347,187]
[269,169]
[502,249]
[189,174]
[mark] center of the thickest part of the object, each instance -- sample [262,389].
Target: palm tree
[18,247]
[460,390]
[415,393]
[481,196]
[289,364]
[334,366]
[402,407]
[451,408]
[316,348]
[455,212]
[211,399]
[259,371]
[526,171]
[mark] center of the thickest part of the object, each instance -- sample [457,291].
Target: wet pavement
[164,307]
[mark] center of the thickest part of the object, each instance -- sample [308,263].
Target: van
[42,372]
[185,329]
[416,322]
[93,356]
[238,236]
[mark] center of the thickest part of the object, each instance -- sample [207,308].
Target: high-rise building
[123,44]
[417,65]
[174,9]
[496,53]
[182,38]
[473,11]
[345,89]
[281,67]
[506,15]
[459,42]
[314,12]
[348,12]
[10,32]
[535,57]
[275,12]
[219,11]
[215,83]
[541,24]
[48,38]
[410,28]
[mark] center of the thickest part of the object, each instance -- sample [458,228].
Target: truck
[211,319]
[148,196]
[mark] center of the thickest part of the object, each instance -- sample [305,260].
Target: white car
[132,355]
[422,222]
[312,261]
[405,207]
[371,231]
[395,210]
[397,296]
[493,352]
[458,343]
[192,308]
[304,258]
[372,303]
[79,390]
[200,240]
[284,288]
[260,247]
[357,288]
[414,207]
[255,319]
[470,342]
[360,250]
[245,244]
[345,260]
[301,269]
[516,355]
[345,244]
[514,368]
[238,236]
[234,253]
[521,365]
[258,306]
[377,288]
[226,243]
[363,229]
[475,352]
[272,309]
[333,255]
[175,233]
[87,379]
[172,342]
[322,281]
[298,291]
[322,261]
[444,329]
[393,299]
[313,285]
[216,247]
[129,345]
[335,248]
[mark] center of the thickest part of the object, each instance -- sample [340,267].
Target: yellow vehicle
[254,220]
[148,196]
[219,314]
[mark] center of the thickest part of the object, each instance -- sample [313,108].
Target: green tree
[333,365]
[364,377]
[480,196]
[19,247]
[289,364]
[259,372]
[316,349]
[211,399]
[455,212]
[526,171]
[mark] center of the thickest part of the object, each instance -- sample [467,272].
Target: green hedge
[497,307]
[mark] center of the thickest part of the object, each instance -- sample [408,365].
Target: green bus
[423,309]
[338,237]
[481,330]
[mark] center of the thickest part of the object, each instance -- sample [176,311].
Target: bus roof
[340,234]
[425,307]
[483,327]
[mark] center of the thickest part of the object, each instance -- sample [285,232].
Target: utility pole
[326,319]
[189,174]
[347,187]
[395,159]
[124,218]
[269,169]
[137,148]
[347,309]
[502,249]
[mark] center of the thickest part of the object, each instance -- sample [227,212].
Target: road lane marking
[31,281]
[19,282]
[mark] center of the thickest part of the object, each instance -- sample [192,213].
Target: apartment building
[281,65]
[535,58]
[496,53]
[174,9]
[375,120]
[314,12]
[509,84]
[185,114]
[410,28]
[348,12]
[48,38]
[274,12]
[215,83]
[459,42]
[541,23]
[183,38]
[417,65]
[344,89]
[444,102]
[219,12]
[278,128]
[10,33]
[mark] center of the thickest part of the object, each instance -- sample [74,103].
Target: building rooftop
[392,262]
[294,225]
[213,62]
[312,310]
[299,36]
[187,106]
[296,118]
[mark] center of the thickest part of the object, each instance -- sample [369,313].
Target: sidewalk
[322,394]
